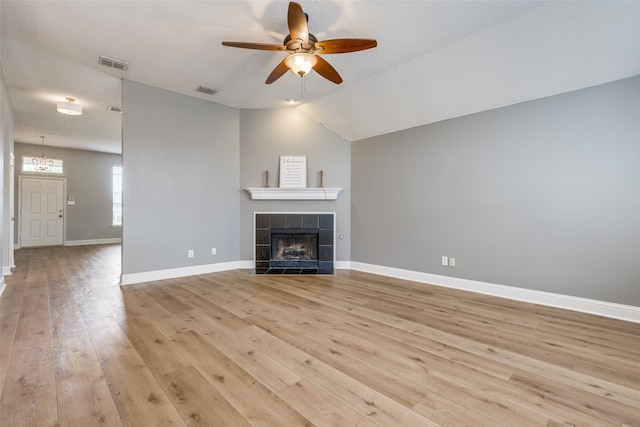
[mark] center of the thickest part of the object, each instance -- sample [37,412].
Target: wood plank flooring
[237,349]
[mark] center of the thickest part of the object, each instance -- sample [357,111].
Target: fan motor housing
[300,46]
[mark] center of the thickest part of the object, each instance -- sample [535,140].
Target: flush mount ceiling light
[70,107]
[301,63]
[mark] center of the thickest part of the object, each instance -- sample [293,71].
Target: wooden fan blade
[277,72]
[344,45]
[325,69]
[297,20]
[257,46]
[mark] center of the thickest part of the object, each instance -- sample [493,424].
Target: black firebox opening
[294,248]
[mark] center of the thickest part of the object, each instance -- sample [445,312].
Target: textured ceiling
[435,60]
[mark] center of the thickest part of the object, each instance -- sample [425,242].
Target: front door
[41,211]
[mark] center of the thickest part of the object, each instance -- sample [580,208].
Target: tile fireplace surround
[323,222]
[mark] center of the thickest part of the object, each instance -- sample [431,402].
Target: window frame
[28,167]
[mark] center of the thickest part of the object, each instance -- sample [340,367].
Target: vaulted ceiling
[435,60]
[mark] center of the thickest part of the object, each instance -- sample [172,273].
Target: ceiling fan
[303,48]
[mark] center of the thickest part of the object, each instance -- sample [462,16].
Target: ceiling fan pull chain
[301,86]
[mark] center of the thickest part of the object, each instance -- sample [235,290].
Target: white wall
[6,149]
[541,195]
[265,135]
[181,191]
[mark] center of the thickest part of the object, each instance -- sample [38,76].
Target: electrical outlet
[190,253]
[452,261]
[213,251]
[445,260]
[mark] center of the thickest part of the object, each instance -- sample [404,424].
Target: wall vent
[114,63]
[207,90]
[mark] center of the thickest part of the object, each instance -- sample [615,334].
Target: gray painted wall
[265,135]
[89,181]
[6,148]
[541,195]
[181,168]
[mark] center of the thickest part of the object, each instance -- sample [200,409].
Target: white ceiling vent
[114,63]
[207,90]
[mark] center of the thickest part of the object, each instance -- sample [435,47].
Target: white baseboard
[247,264]
[584,305]
[150,276]
[6,271]
[172,273]
[93,242]
[342,265]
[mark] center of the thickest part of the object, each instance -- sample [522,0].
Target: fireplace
[294,248]
[294,243]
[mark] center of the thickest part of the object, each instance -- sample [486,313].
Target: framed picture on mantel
[293,172]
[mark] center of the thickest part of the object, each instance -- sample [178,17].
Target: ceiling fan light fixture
[301,63]
[70,107]
[302,45]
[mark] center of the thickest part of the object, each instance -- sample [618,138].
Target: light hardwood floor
[236,349]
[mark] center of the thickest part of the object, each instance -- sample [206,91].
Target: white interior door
[41,211]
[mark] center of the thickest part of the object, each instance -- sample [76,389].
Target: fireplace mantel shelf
[268,193]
